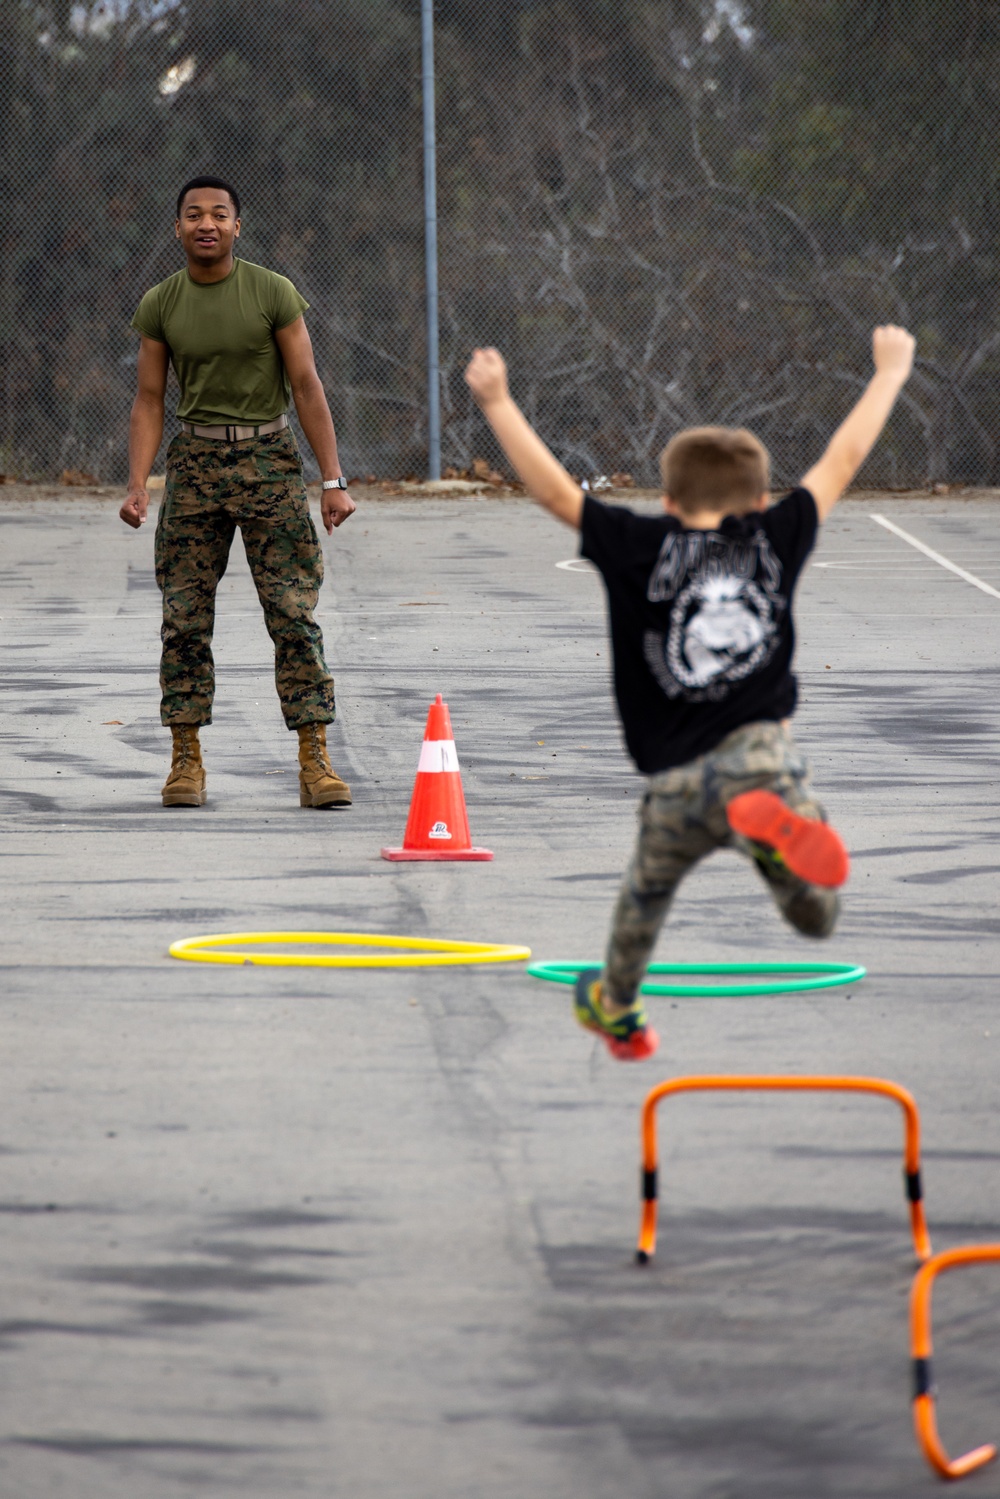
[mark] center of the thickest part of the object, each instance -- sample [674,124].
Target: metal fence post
[430,244]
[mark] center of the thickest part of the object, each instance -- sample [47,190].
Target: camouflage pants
[683,818]
[213,487]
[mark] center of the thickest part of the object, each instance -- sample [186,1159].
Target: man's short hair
[715,468]
[218,182]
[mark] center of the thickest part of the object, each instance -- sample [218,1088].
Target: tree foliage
[665,211]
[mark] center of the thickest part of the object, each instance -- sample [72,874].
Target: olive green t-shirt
[222,344]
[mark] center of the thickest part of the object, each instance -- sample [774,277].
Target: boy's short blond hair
[715,468]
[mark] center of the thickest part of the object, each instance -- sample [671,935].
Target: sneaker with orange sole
[810,849]
[628,1035]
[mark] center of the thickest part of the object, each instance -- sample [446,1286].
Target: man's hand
[295,347]
[145,428]
[486,376]
[133,512]
[892,351]
[335,507]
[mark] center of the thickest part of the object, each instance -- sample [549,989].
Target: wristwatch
[340,483]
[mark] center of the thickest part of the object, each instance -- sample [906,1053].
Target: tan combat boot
[319,783]
[185,785]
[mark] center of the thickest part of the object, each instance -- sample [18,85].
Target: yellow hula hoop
[421,952]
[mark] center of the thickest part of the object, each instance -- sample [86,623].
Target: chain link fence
[665,212]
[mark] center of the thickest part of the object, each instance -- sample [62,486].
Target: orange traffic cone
[438,825]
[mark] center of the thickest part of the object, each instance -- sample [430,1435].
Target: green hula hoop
[811,976]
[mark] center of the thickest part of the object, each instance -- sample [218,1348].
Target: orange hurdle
[924,1418]
[911,1149]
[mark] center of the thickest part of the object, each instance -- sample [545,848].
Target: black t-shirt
[701,621]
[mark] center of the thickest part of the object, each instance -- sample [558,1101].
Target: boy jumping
[700,612]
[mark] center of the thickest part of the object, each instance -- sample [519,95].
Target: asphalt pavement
[370,1234]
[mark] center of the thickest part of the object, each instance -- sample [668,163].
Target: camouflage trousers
[213,487]
[683,818]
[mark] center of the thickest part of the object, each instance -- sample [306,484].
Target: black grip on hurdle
[923,1378]
[914,1191]
[649,1185]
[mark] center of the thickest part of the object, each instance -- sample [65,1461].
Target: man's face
[208,226]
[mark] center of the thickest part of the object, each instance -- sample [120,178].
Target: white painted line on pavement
[935,556]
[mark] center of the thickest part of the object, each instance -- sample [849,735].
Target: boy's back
[701,621]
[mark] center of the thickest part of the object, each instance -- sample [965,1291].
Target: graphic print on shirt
[725,609]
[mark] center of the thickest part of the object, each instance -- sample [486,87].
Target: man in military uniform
[235,335]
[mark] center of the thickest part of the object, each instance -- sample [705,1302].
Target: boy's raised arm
[539,471]
[892,349]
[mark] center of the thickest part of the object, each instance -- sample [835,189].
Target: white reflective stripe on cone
[437,755]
